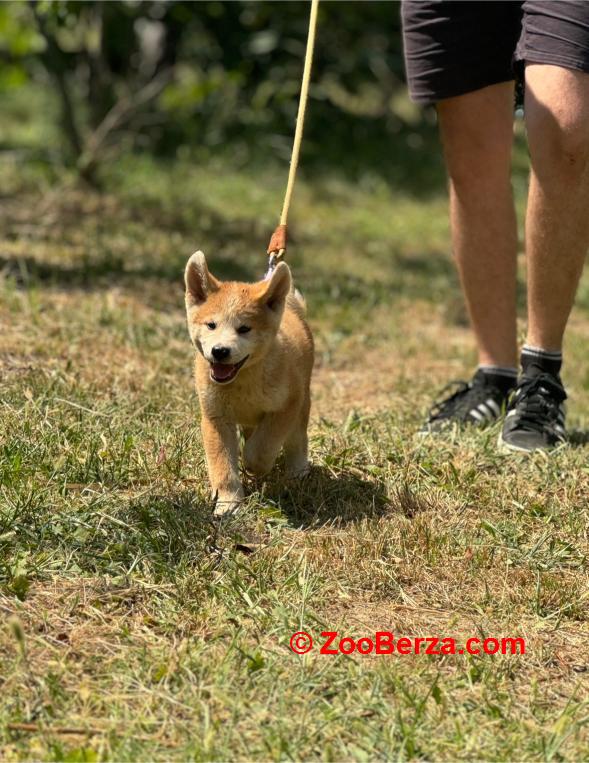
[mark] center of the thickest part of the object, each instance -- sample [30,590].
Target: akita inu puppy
[253,372]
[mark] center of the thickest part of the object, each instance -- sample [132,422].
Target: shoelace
[538,401]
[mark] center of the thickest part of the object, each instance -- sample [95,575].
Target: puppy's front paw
[227,502]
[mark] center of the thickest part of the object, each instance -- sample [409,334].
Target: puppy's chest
[244,405]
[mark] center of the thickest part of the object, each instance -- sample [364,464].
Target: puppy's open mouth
[223,373]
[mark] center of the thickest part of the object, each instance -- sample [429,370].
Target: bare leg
[557,220]
[477,134]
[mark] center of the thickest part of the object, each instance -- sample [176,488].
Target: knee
[477,135]
[572,146]
[471,179]
[478,189]
[559,144]
[478,171]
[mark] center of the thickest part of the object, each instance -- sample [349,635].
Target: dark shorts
[453,47]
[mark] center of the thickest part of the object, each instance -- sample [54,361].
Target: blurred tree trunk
[101,96]
[107,50]
[55,63]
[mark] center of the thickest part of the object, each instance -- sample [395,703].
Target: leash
[277,246]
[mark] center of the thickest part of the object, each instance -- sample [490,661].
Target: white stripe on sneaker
[487,413]
[493,406]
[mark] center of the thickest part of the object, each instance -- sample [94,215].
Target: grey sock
[535,360]
[499,370]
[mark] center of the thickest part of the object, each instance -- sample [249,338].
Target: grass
[134,628]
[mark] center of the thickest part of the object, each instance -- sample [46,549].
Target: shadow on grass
[179,528]
[170,528]
[324,496]
[422,275]
[407,277]
[578,438]
[97,273]
[235,247]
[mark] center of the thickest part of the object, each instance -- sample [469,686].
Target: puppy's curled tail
[297,302]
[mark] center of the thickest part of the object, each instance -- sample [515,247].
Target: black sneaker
[478,402]
[535,417]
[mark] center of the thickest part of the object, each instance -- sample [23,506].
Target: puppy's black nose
[219,352]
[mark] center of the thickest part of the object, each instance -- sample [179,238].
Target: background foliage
[166,75]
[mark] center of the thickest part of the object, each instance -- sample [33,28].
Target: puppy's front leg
[222,452]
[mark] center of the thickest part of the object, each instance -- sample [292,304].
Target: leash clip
[276,249]
[273,259]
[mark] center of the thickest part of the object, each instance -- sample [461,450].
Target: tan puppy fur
[253,372]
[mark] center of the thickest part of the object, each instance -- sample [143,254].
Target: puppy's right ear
[199,282]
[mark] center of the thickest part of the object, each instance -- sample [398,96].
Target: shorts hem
[576,64]
[433,98]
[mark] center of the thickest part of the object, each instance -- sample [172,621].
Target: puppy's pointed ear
[199,282]
[275,290]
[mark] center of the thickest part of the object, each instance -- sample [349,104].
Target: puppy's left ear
[275,291]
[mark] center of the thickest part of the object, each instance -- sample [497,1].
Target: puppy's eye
[244,329]
[211,325]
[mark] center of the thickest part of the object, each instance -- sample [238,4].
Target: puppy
[253,373]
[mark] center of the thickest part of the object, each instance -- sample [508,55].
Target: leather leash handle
[277,245]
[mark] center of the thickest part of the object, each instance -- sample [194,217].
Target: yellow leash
[277,245]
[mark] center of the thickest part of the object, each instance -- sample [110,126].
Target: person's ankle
[536,360]
[504,377]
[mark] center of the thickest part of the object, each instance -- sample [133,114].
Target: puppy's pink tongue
[223,370]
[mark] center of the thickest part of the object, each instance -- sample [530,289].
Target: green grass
[133,628]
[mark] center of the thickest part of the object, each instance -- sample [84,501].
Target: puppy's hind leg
[296,447]
[263,446]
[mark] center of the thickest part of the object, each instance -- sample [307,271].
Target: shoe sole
[456,426]
[506,447]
